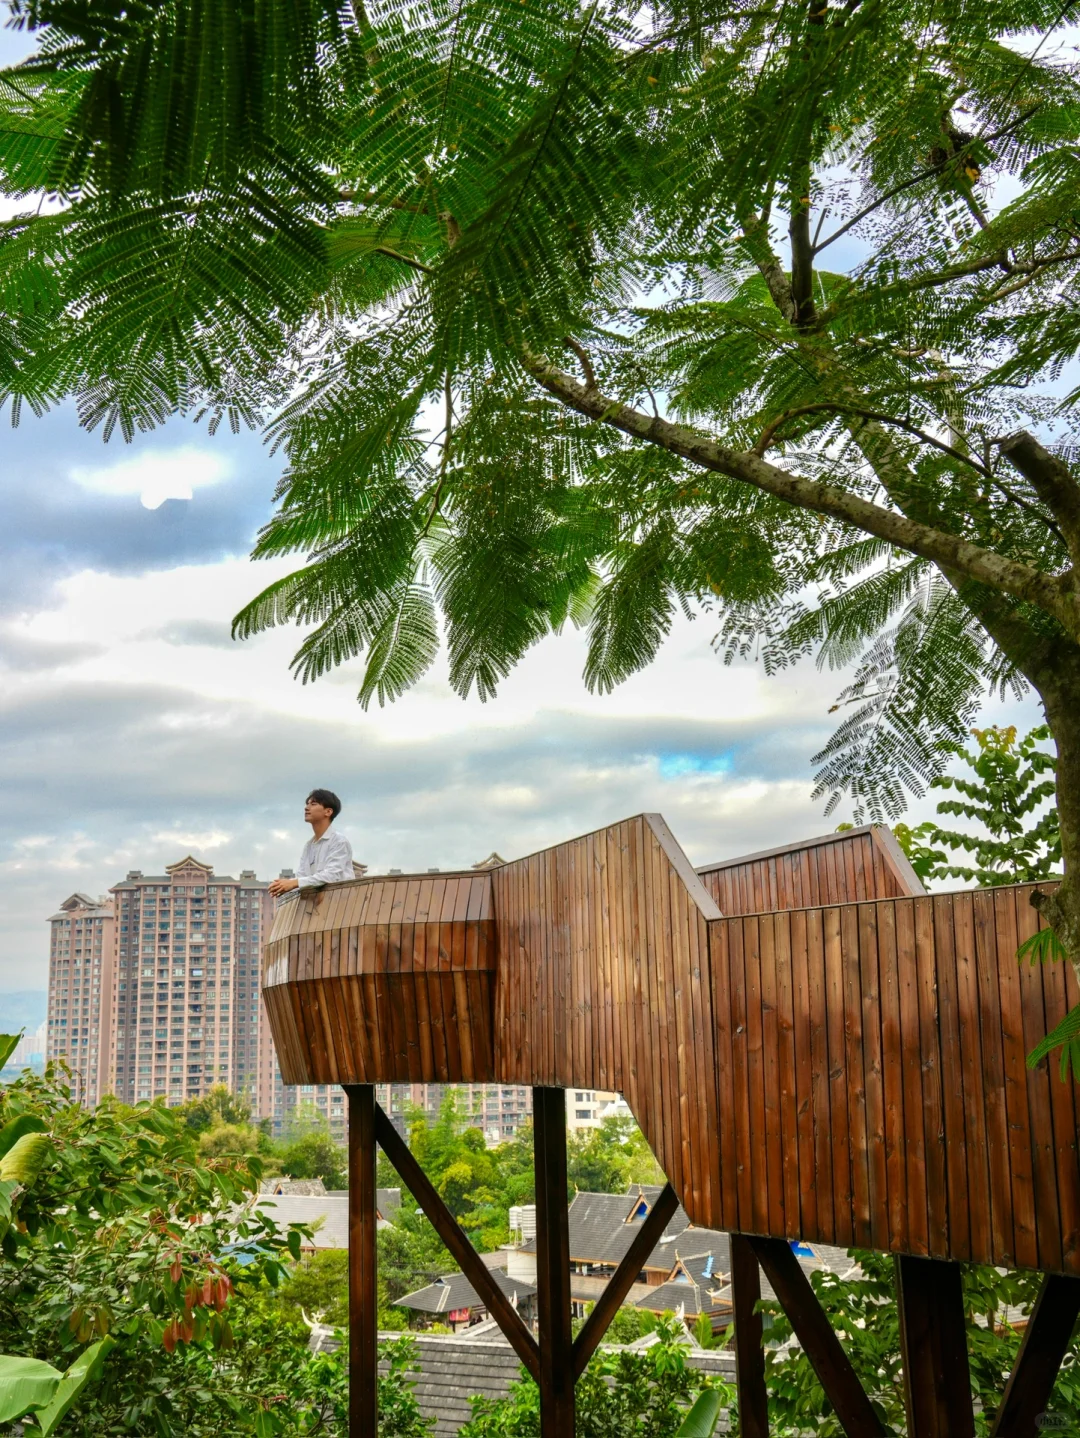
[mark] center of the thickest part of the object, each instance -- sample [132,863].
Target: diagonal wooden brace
[622,1280]
[819,1341]
[457,1242]
[1044,1345]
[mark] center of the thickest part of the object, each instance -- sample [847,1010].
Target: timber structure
[814,1048]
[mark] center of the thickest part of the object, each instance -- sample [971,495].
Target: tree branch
[405,259]
[802,248]
[1051,480]
[768,434]
[1055,594]
[586,366]
[914,180]
[756,234]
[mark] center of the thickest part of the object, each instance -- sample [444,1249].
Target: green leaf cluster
[861,1308]
[1004,791]
[119,1241]
[813,262]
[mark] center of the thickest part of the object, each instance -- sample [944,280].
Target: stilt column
[749,1340]
[553,1264]
[933,1340]
[363,1288]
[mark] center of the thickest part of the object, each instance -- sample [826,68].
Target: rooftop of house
[481,1364]
[326,1213]
[603,1226]
[453,1291]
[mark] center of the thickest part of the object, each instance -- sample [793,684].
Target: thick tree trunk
[1060,693]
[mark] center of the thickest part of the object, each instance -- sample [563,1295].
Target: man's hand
[282,886]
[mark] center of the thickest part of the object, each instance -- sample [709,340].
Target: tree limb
[405,259]
[586,366]
[756,234]
[914,180]
[1055,594]
[768,434]
[1051,480]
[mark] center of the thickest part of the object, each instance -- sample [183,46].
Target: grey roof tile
[454,1291]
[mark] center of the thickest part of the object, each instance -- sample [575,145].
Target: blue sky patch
[677,766]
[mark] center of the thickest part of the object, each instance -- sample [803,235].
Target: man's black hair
[328,799]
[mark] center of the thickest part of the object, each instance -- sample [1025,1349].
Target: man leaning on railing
[327,856]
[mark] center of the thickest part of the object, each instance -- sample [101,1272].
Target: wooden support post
[454,1237]
[624,1277]
[933,1341]
[749,1340]
[1046,1339]
[363,1289]
[553,1264]
[818,1338]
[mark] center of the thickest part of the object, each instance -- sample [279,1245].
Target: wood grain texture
[918,1129]
[847,1069]
[833,869]
[631,1012]
[384,980]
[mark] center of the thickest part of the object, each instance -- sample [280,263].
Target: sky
[133,730]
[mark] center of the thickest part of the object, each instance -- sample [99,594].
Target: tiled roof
[600,1233]
[671,1297]
[328,1216]
[695,1256]
[454,1368]
[454,1291]
[388,1201]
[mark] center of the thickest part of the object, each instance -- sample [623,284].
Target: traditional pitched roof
[603,1226]
[454,1291]
[481,1364]
[686,1298]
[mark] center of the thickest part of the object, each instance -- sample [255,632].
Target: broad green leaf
[7,1046]
[701,1421]
[85,1369]
[13,1131]
[23,1161]
[26,1384]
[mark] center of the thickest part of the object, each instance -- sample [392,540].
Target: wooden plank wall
[833,869]
[387,980]
[603,982]
[852,1073]
[873,1089]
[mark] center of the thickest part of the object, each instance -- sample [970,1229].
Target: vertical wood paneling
[851,1071]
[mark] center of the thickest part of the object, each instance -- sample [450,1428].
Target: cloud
[103,778]
[205,633]
[63,510]
[155,476]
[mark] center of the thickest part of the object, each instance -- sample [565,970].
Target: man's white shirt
[325,861]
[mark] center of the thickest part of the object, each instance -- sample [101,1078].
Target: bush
[112,1224]
[645,1394]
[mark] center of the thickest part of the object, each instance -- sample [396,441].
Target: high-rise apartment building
[81,980]
[155,992]
[188,1011]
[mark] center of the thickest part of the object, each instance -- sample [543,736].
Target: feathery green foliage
[1004,787]
[815,263]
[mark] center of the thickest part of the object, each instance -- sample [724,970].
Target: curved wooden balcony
[845,1072]
[385,980]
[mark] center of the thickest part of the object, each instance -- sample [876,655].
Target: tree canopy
[583,312]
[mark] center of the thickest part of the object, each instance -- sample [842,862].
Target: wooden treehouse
[814,1048]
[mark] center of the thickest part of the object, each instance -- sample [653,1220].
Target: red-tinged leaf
[75,1321]
[186,1330]
[176,1272]
[168,1338]
[208,1291]
[191,1296]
